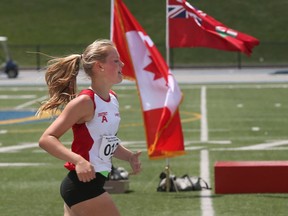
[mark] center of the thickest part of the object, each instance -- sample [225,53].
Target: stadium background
[58,27]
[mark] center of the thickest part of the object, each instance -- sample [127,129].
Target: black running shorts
[74,191]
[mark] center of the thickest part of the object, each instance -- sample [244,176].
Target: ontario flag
[159,92]
[190,27]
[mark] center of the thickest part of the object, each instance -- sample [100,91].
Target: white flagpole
[167,36]
[111,19]
[167,167]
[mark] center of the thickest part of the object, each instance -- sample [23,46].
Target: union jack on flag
[178,11]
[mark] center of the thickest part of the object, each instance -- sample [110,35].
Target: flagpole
[167,171]
[167,37]
[167,167]
[111,19]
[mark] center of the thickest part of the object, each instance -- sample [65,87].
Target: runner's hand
[85,171]
[135,163]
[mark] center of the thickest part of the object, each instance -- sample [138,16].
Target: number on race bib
[108,146]
[109,149]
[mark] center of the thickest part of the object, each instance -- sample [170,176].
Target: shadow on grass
[194,195]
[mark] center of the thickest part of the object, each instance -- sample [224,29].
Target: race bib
[108,146]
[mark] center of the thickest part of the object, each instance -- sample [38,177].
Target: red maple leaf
[152,68]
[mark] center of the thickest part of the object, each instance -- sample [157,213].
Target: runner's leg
[102,205]
[67,211]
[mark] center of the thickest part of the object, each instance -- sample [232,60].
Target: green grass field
[238,115]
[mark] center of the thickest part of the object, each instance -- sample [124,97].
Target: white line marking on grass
[277,104]
[276,149]
[262,146]
[29,103]
[7,97]
[3,131]
[23,88]
[238,86]
[20,164]
[212,130]
[17,147]
[133,142]
[206,201]
[218,142]
[221,142]
[204,123]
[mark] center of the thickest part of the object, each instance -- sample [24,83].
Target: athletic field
[229,121]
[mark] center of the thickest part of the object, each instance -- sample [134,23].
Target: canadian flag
[159,92]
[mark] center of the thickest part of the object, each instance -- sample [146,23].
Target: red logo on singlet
[103,115]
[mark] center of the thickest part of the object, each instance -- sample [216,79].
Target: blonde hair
[61,74]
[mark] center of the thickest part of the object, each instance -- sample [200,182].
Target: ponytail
[61,81]
[62,72]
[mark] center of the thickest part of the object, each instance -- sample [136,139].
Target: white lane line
[20,164]
[261,146]
[217,142]
[206,201]
[18,147]
[264,145]
[239,86]
[13,97]
[3,131]
[30,103]
[220,142]
[204,123]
